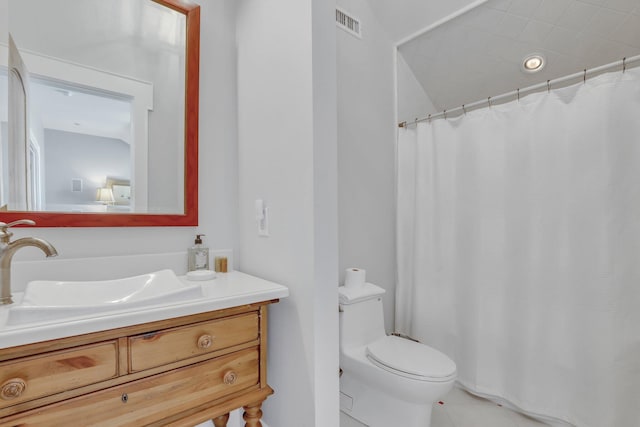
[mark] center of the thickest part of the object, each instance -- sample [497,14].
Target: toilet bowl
[386,380]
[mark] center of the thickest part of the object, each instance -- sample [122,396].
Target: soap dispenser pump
[198,255]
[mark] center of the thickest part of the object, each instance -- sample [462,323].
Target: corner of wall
[287,144]
[366,152]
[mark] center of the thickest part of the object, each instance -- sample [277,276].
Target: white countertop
[225,291]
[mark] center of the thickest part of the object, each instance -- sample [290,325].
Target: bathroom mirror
[111,133]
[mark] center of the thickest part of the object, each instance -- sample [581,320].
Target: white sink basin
[50,300]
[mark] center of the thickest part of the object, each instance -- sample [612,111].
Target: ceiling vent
[348,23]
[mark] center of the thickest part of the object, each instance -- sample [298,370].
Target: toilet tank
[361,316]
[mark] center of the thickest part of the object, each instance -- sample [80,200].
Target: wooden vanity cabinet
[175,372]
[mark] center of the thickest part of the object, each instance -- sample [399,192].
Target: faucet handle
[4,226]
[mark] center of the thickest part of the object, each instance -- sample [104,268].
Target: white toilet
[386,380]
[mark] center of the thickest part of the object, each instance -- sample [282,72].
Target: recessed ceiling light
[533,63]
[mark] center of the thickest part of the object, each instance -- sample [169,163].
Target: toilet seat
[411,359]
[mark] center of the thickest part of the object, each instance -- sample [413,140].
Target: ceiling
[403,18]
[78,110]
[479,54]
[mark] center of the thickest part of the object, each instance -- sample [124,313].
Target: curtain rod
[624,63]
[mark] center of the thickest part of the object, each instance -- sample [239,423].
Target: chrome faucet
[8,248]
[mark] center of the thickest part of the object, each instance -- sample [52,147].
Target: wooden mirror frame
[190,215]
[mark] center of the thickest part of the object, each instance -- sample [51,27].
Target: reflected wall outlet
[76,185]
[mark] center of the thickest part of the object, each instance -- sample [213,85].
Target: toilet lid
[414,359]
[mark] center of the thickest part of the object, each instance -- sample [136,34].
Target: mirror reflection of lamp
[104,195]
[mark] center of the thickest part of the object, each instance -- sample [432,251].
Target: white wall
[4,21]
[3,94]
[287,156]
[413,101]
[4,161]
[217,180]
[91,158]
[366,152]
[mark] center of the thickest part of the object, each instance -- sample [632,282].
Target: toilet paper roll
[354,277]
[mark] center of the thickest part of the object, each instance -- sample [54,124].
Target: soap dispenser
[198,255]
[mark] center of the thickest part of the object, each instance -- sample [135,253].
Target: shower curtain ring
[584,76]
[445,114]
[489,99]
[549,86]
[624,64]
[518,94]
[429,118]
[464,110]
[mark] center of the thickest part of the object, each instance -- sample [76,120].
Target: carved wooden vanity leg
[221,421]
[252,415]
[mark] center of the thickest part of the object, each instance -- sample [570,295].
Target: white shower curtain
[519,248]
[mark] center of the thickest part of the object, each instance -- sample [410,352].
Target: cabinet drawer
[151,399]
[171,345]
[42,375]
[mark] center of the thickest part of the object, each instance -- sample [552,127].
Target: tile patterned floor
[461,409]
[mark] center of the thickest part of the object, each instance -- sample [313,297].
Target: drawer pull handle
[205,341]
[230,378]
[13,388]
